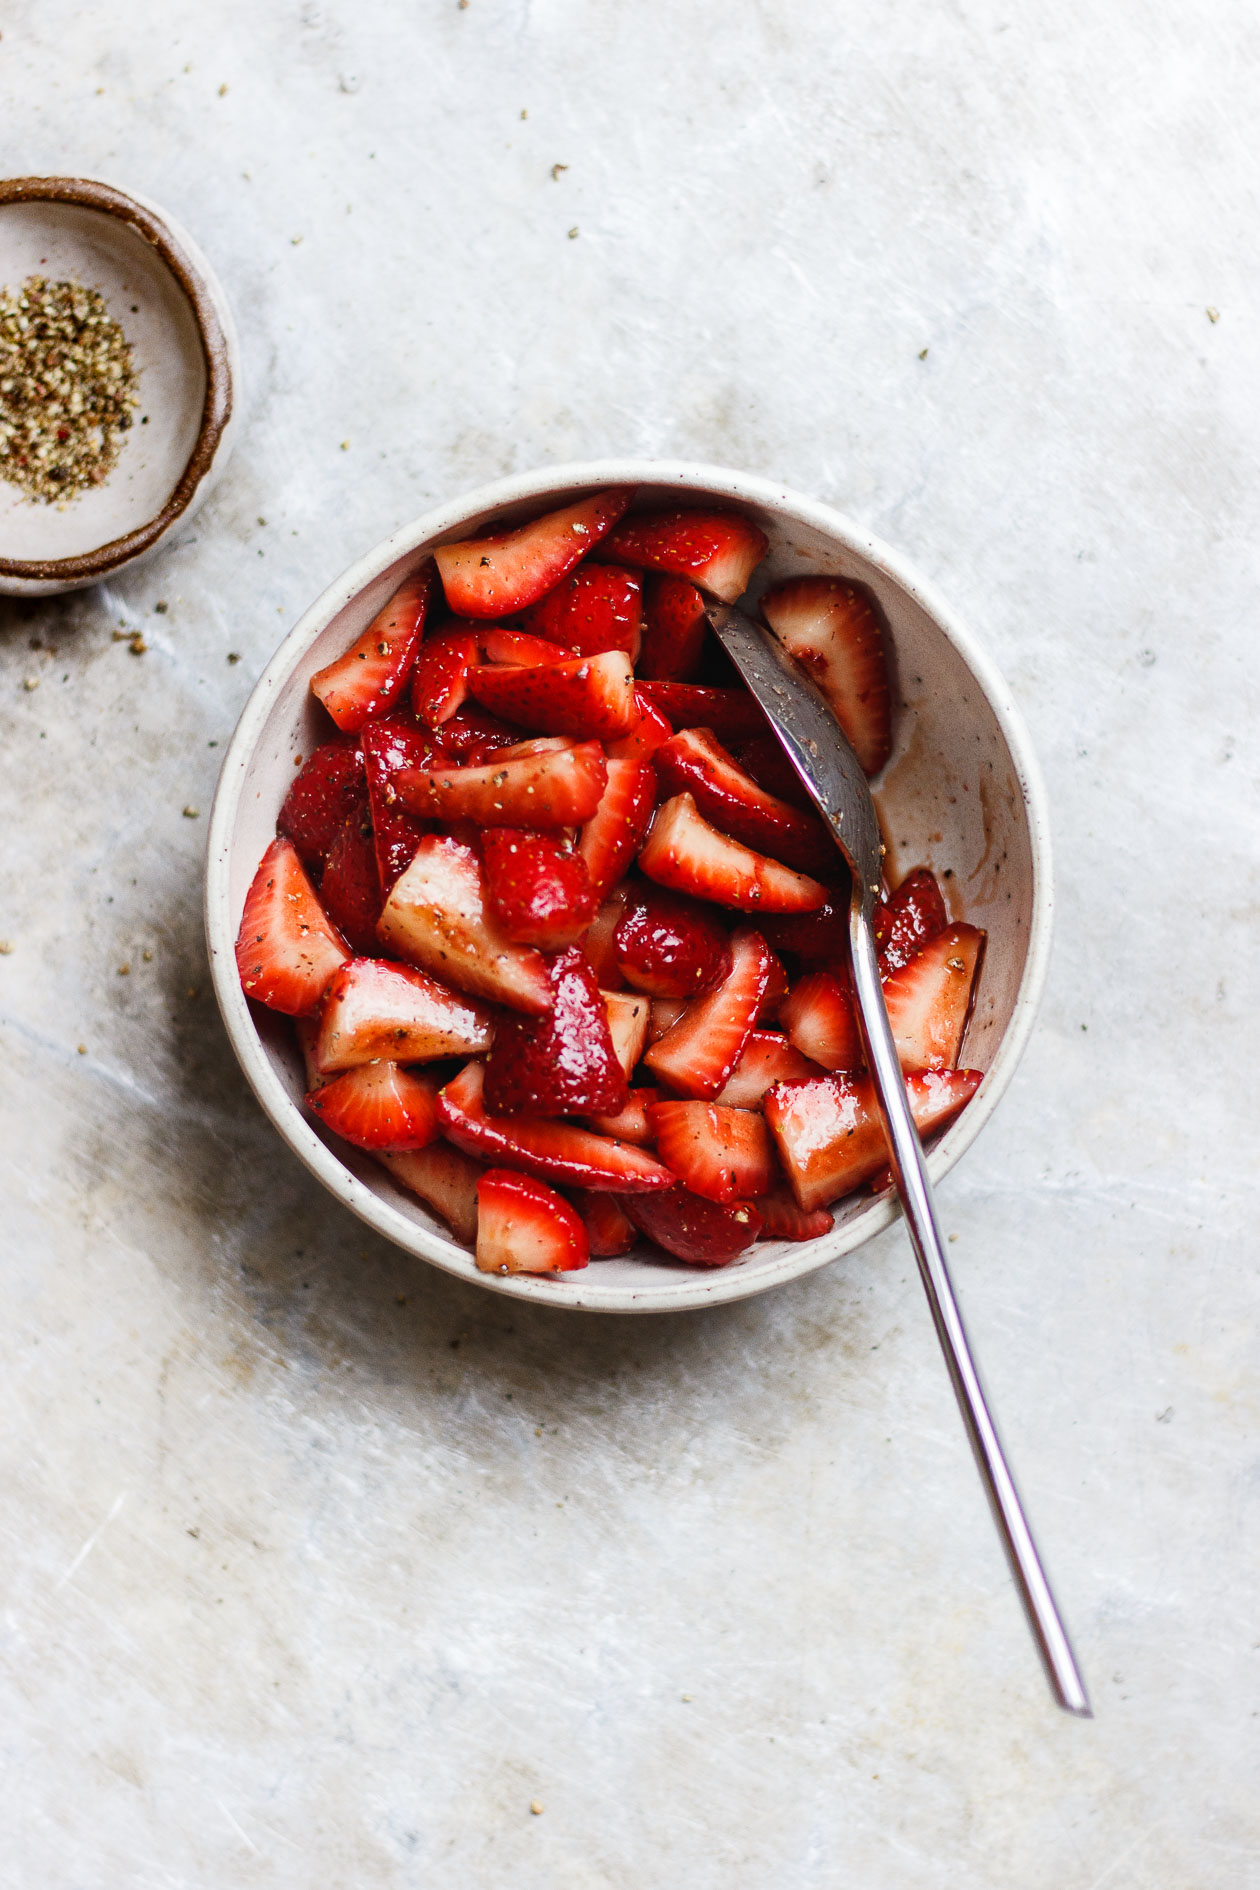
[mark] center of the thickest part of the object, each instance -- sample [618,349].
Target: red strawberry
[697,1055]
[375,1009]
[306,1030]
[614,833]
[695,762]
[768,1058]
[584,696]
[816,938]
[732,714]
[597,607]
[472,735]
[525,1227]
[562,1064]
[783,1219]
[928,999]
[389,746]
[908,919]
[378,1105]
[830,627]
[763,758]
[350,890]
[663,1014]
[554,1151]
[718,550]
[820,1020]
[693,1229]
[608,1228]
[685,853]
[440,683]
[517,650]
[645,737]
[445,1179]
[776,991]
[370,677]
[628,1023]
[631,1124]
[538,887]
[670,947]
[437,916]
[286,949]
[328,789]
[598,942]
[673,630]
[722,1154]
[829,1135]
[557,787]
[510,570]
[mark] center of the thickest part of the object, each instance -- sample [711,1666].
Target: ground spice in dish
[67,389]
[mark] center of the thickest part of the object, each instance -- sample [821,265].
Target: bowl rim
[195,277]
[695,1287]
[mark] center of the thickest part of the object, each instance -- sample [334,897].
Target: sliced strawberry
[587,696]
[608,1227]
[440,683]
[820,1019]
[732,714]
[782,1217]
[687,854]
[723,1154]
[371,676]
[286,949]
[597,607]
[614,833]
[328,789]
[472,735]
[776,991]
[717,550]
[445,1180]
[763,758]
[673,630]
[558,787]
[908,919]
[389,746]
[830,627]
[376,1009]
[378,1105]
[437,916]
[829,1135]
[670,946]
[631,1124]
[350,889]
[517,650]
[768,1058]
[510,570]
[554,1151]
[697,1054]
[563,1064]
[628,1023]
[816,938]
[306,1030]
[701,1232]
[538,887]
[598,942]
[663,1014]
[696,763]
[928,999]
[645,737]
[523,1226]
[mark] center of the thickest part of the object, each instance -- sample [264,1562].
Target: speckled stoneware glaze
[159,286]
[961,793]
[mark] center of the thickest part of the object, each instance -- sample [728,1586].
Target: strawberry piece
[663,1014]
[687,854]
[608,1227]
[782,1217]
[673,630]
[631,1124]
[820,1019]
[776,991]
[445,1180]
[614,833]
[723,1154]
[830,628]
[371,676]
[437,916]
[350,889]
[697,1054]
[598,942]
[701,1232]
[694,762]
[597,607]
[538,887]
[306,1030]
[517,650]
[286,949]
[554,1151]
[322,797]
[628,1024]
[389,746]
[584,696]
[440,683]
[816,938]
[471,735]
[908,919]
[763,758]
[829,1135]
[375,1009]
[670,947]
[378,1105]
[563,1064]
[928,1000]
[768,1058]
[510,570]
[717,550]
[525,1227]
[557,787]
[645,737]
[732,714]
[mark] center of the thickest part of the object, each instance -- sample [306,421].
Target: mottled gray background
[318,1566]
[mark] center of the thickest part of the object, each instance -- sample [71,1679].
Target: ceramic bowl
[159,286]
[961,793]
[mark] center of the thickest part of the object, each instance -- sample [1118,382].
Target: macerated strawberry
[816,938]
[306,1030]
[437,916]
[722,1153]
[389,746]
[440,683]
[718,550]
[328,789]
[614,833]
[598,940]
[819,1017]
[663,1014]
[286,949]
[350,889]
[538,886]
[523,1226]
[669,946]
[518,650]
[558,787]
[509,570]
[378,1105]
[703,1233]
[783,1218]
[563,1064]
[683,851]
[829,1135]
[608,1227]
[586,696]
[830,628]
[597,607]
[928,999]
[732,714]
[371,676]
[646,735]
[694,762]
[908,918]
[445,1180]
[776,991]
[375,1008]
[768,1058]
[628,1023]
[764,759]
[472,734]
[697,1054]
[631,1124]
[673,630]
[554,1151]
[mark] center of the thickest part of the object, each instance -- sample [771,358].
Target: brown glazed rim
[215,413]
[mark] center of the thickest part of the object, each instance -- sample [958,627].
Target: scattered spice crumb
[535,1804]
[923,354]
[297,761]
[147,956]
[30,682]
[556,170]
[524,113]
[6,946]
[234,656]
[345,446]
[161,607]
[124,971]
[1213,314]
[953,1237]
[192,813]
[136,644]
[223,90]
[193,991]
[573,232]
[262,521]
[82,1049]
[295,240]
[686,1699]
[67,389]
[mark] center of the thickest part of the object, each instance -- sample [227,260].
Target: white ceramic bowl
[961,793]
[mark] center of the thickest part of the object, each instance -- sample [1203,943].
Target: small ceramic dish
[961,793]
[156,283]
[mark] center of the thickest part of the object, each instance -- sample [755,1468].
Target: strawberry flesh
[721,1153]
[538,887]
[768,1058]
[557,787]
[586,696]
[631,1124]
[684,852]
[440,683]
[783,1218]
[628,1023]
[908,919]
[376,1009]
[350,889]
[928,1000]
[673,630]
[669,946]
[523,1226]
[608,1227]
[328,789]
[597,607]
[763,758]
[287,949]
[703,1233]
[815,938]
[369,679]
[820,1019]
[614,833]
[830,628]
[717,550]
[696,1055]
[646,735]
[562,1064]
[732,714]
[829,1135]
[508,571]
[598,940]
[472,735]
[517,650]
[445,1180]
[378,1105]
[437,916]
[695,762]
[389,746]
[553,1151]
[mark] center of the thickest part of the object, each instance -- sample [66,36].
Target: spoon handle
[915,1190]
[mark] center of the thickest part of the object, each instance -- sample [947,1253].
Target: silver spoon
[820,753]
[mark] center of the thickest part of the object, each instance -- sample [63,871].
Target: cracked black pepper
[67,389]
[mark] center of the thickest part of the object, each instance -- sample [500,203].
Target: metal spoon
[820,753]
